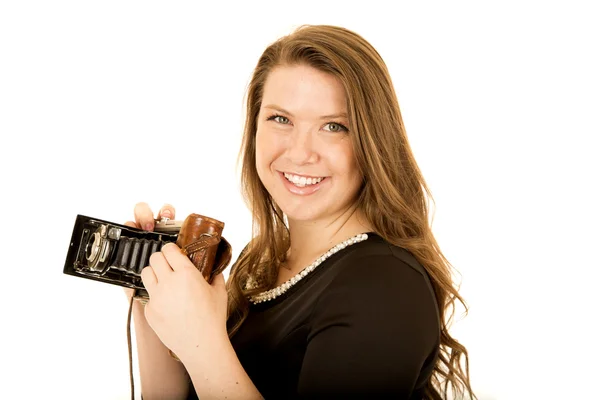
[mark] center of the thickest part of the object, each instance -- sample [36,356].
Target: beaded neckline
[284,287]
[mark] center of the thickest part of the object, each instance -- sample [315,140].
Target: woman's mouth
[302,185]
[301,181]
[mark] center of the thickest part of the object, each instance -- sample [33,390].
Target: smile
[301,181]
[302,185]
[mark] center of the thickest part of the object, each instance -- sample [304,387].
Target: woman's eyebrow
[284,111]
[333,116]
[277,108]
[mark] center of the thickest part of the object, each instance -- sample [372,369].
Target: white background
[104,104]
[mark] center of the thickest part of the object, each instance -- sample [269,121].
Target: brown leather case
[200,238]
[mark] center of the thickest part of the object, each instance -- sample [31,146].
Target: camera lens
[97,250]
[93,247]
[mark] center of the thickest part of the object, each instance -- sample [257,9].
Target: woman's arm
[217,373]
[161,375]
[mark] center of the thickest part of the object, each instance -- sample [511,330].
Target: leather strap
[203,243]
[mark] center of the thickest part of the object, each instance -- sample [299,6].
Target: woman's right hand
[144,219]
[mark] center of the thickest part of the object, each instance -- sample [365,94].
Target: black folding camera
[115,253]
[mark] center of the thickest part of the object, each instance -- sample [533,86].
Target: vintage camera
[115,253]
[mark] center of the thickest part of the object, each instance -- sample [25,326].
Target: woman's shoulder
[377,254]
[378,285]
[376,268]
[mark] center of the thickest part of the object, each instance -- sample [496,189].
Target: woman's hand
[144,219]
[185,312]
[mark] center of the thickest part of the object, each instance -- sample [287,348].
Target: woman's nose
[301,147]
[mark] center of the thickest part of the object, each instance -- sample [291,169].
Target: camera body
[114,253]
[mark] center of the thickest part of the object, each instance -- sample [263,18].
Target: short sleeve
[371,333]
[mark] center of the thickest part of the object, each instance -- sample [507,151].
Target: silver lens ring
[93,248]
[98,251]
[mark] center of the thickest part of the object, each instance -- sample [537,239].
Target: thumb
[219,282]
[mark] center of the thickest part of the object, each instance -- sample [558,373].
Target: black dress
[363,324]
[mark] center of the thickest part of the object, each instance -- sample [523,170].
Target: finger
[159,264]
[175,257]
[149,279]
[131,224]
[144,216]
[167,211]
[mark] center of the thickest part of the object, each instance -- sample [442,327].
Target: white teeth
[301,181]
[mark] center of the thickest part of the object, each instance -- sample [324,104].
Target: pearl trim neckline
[281,289]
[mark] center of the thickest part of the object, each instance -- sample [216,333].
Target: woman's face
[304,154]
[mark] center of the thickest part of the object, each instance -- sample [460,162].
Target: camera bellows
[134,254]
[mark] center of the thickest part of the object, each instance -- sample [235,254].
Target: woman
[325,165]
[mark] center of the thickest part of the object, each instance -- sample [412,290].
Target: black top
[363,324]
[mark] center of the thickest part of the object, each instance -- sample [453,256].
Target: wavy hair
[394,196]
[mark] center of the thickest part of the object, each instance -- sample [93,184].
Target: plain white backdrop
[105,104]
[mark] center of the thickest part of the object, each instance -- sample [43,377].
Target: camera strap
[129,348]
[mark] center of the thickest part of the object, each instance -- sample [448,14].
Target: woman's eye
[279,119]
[335,127]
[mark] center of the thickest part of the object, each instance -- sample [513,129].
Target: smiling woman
[348,287]
[343,291]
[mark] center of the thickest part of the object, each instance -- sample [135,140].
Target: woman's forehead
[301,89]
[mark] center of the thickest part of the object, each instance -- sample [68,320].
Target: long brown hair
[394,196]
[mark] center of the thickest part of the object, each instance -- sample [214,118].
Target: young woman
[343,291]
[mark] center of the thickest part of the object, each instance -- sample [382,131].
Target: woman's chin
[300,216]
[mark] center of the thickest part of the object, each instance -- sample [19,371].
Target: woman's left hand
[184,310]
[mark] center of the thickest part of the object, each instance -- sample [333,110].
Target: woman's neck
[309,240]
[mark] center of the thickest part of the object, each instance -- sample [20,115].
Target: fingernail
[149,227]
[166,214]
